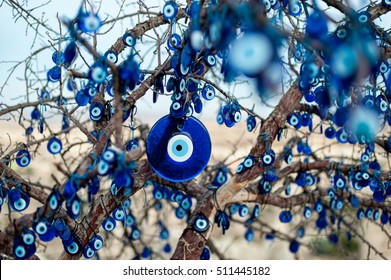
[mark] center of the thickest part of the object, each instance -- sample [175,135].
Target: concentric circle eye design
[210,60]
[136,234]
[295,9]
[119,214]
[96,111]
[109,224]
[73,248]
[170,10]
[23,158]
[189,111]
[340,183]
[201,223]
[41,228]
[365,176]
[90,91]
[28,238]
[180,148]
[387,2]
[383,68]
[182,85]
[103,168]
[88,252]
[240,168]
[243,210]
[249,161]
[184,70]
[19,205]
[237,116]
[221,178]
[98,73]
[208,92]
[128,40]
[96,242]
[341,33]
[176,106]
[174,42]
[307,212]
[267,158]
[109,156]
[111,56]
[54,146]
[20,252]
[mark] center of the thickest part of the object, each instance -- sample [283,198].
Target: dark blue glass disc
[178,153]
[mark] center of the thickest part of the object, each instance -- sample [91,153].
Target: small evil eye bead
[285,216]
[103,168]
[164,234]
[111,56]
[256,212]
[54,146]
[109,224]
[234,208]
[28,237]
[240,168]
[74,207]
[136,234]
[339,181]
[186,203]
[98,73]
[158,193]
[208,92]
[170,10]
[81,98]
[251,123]
[237,116]
[58,57]
[294,119]
[21,203]
[307,212]
[295,8]
[88,252]
[201,223]
[342,136]
[74,248]
[268,157]
[35,114]
[45,95]
[249,235]
[54,74]
[341,32]
[119,213]
[383,67]
[243,210]
[23,158]
[309,179]
[132,145]
[174,42]
[249,162]
[381,104]
[264,187]
[369,213]
[220,118]
[360,214]
[318,206]
[180,213]
[40,228]
[294,246]
[338,205]
[19,251]
[363,16]
[368,101]
[130,220]
[96,242]
[376,215]
[386,2]
[329,132]
[288,157]
[54,200]
[210,59]
[109,156]
[331,193]
[129,40]
[96,111]
[205,255]
[365,157]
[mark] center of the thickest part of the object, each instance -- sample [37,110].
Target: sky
[17,45]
